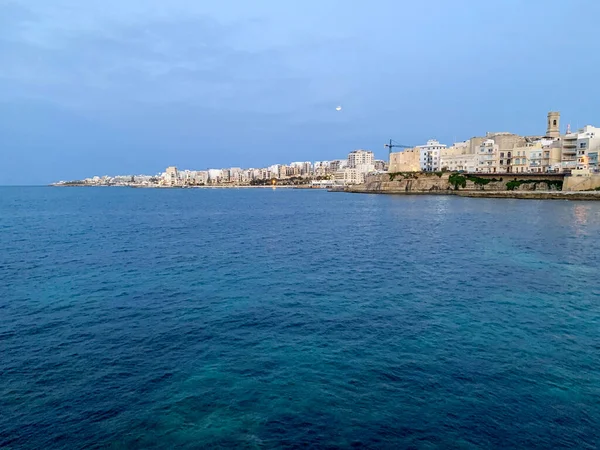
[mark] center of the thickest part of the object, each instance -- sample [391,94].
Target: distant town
[349,171]
[572,152]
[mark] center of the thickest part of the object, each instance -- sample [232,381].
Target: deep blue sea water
[134,318]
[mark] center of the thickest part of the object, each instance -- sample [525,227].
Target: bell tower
[553,124]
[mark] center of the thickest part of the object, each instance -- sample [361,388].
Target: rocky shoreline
[525,195]
[534,195]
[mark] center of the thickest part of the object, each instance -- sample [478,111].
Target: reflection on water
[581,213]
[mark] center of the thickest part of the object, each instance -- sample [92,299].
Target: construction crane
[393,144]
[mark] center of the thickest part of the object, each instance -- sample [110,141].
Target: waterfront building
[235,175]
[358,165]
[349,176]
[201,177]
[430,155]
[505,142]
[405,161]
[593,160]
[361,158]
[486,157]
[459,162]
[302,168]
[282,171]
[337,164]
[187,177]
[321,168]
[577,148]
[538,156]
[214,176]
[171,176]
[458,158]
[292,171]
[520,160]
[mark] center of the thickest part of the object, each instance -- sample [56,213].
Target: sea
[284,318]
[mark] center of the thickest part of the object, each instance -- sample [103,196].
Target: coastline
[133,186]
[514,186]
[520,195]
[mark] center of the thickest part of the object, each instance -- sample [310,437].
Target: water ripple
[270,319]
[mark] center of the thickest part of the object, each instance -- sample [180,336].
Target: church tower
[553,124]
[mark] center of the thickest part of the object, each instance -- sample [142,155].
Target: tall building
[282,171]
[215,176]
[486,157]
[359,163]
[337,164]
[304,168]
[580,149]
[430,155]
[360,157]
[171,176]
[201,177]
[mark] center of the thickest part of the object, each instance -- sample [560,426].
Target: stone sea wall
[582,183]
[452,183]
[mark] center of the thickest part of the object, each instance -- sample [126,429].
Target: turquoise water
[135,318]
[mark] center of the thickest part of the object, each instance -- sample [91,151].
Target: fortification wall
[440,183]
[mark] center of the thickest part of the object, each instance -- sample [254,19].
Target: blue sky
[131,86]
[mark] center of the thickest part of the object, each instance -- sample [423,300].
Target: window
[554,122]
[582,145]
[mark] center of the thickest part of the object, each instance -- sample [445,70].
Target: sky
[113,87]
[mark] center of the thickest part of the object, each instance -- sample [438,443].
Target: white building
[430,155]
[361,158]
[349,176]
[215,175]
[235,175]
[459,162]
[304,168]
[580,149]
[171,176]
[358,164]
[201,177]
[487,157]
[458,158]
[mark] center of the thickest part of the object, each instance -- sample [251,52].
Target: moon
[338,108]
